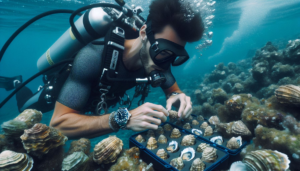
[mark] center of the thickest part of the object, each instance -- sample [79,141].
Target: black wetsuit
[81,91]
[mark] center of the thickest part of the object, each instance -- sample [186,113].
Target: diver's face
[167,33]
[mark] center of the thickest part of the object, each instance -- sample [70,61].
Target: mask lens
[179,60]
[163,55]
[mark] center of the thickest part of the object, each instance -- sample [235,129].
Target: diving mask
[164,52]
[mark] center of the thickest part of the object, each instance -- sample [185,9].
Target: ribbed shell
[200,118]
[168,127]
[140,138]
[288,94]
[175,133]
[40,139]
[173,115]
[75,162]
[159,131]
[107,150]
[188,140]
[209,155]
[214,120]
[83,144]
[152,143]
[195,122]
[267,160]
[162,139]
[177,163]
[201,147]
[235,128]
[162,154]
[233,143]
[208,131]
[197,165]
[12,161]
[187,126]
[204,125]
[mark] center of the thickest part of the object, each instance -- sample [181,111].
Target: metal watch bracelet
[112,123]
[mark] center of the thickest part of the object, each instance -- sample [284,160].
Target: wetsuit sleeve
[76,90]
[170,85]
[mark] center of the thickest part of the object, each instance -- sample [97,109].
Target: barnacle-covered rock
[76,161]
[40,139]
[236,128]
[12,161]
[208,131]
[204,125]
[214,120]
[152,143]
[234,143]
[173,147]
[108,150]
[162,139]
[188,140]
[195,122]
[218,140]
[83,144]
[201,147]
[209,154]
[200,118]
[140,138]
[187,126]
[288,94]
[173,115]
[150,133]
[159,131]
[197,132]
[197,165]
[162,154]
[168,127]
[188,154]
[177,163]
[175,133]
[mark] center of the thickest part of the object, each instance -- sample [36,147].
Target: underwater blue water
[240,27]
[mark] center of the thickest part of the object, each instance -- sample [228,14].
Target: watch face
[121,117]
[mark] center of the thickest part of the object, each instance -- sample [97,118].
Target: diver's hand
[185,108]
[147,116]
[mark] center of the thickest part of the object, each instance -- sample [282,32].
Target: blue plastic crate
[160,164]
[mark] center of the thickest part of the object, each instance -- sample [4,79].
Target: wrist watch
[121,117]
[172,94]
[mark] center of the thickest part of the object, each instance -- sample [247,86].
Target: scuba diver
[105,68]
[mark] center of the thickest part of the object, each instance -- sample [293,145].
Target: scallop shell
[162,139]
[200,118]
[234,143]
[208,131]
[288,94]
[188,140]
[75,162]
[159,130]
[204,125]
[201,147]
[173,146]
[168,127]
[195,122]
[150,133]
[218,140]
[162,154]
[175,133]
[140,138]
[197,165]
[152,143]
[188,154]
[236,128]
[173,115]
[40,139]
[177,163]
[83,144]
[187,126]
[107,150]
[12,161]
[209,154]
[267,160]
[197,132]
[214,120]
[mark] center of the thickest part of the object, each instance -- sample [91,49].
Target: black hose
[74,29]
[33,77]
[12,37]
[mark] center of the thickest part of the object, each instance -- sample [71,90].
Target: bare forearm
[76,125]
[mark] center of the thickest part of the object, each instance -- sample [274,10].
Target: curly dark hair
[164,12]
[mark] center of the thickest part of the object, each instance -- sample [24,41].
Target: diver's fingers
[150,119]
[157,114]
[159,108]
[170,102]
[182,105]
[188,106]
[147,125]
